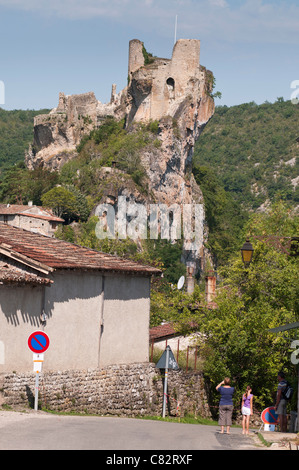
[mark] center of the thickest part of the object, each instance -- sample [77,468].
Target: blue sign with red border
[269,416]
[38,342]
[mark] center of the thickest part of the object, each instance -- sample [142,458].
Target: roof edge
[7,251]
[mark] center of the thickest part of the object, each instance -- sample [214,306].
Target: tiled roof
[12,275]
[29,211]
[58,254]
[12,208]
[165,330]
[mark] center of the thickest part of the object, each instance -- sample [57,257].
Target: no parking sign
[269,416]
[38,342]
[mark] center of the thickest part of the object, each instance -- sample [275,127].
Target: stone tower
[158,89]
[136,58]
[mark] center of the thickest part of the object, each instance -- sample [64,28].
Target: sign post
[38,343]
[165,383]
[166,361]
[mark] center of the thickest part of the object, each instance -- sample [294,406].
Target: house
[30,217]
[94,307]
[166,335]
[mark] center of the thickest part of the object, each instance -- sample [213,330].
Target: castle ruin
[176,92]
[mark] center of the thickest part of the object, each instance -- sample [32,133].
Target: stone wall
[123,390]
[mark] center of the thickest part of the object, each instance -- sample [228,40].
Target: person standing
[281,402]
[246,409]
[226,405]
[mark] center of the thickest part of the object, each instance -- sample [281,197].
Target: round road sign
[38,342]
[269,416]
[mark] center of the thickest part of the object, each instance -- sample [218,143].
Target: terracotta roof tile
[59,254]
[162,331]
[29,211]
[12,275]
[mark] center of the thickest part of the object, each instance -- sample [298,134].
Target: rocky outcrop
[57,134]
[175,93]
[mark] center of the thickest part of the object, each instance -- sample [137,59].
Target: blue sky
[76,46]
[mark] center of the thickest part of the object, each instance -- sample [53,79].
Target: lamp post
[247,252]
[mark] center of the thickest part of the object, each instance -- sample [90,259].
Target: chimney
[190,277]
[210,287]
[30,203]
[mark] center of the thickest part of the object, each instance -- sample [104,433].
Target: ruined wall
[124,390]
[179,88]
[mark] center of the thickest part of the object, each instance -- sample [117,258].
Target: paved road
[43,431]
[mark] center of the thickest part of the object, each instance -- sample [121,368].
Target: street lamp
[247,252]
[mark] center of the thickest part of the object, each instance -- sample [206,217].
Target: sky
[76,46]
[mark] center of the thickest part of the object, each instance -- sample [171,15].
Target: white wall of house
[125,336]
[178,342]
[74,306]
[34,224]
[20,308]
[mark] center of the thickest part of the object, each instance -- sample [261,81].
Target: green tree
[61,201]
[16,133]
[225,218]
[82,207]
[20,185]
[235,337]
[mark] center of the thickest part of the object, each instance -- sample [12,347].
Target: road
[44,431]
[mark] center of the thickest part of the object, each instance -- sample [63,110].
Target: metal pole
[36,391]
[187,362]
[165,383]
[298,402]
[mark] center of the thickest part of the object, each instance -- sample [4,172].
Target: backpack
[287,393]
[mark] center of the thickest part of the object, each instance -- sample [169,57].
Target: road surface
[44,431]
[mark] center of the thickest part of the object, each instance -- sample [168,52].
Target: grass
[263,440]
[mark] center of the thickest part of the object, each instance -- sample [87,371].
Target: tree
[82,207]
[235,336]
[20,185]
[61,201]
[224,216]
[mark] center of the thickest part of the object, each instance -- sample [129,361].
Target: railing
[187,359]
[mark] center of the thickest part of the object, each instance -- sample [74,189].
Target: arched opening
[170,86]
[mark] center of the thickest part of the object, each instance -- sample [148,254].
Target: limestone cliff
[175,92]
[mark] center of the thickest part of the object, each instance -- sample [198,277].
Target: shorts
[246,411]
[225,415]
[282,407]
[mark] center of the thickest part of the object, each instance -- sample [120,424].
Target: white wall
[125,336]
[73,305]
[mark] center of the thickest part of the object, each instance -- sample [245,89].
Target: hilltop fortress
[156,90]
[176,92]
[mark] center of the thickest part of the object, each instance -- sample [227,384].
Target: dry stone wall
[122,390]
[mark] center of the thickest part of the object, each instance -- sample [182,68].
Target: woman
[226,404]
[246,410]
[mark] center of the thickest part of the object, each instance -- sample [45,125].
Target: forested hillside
[252,149]
[244,160]
[16,133]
